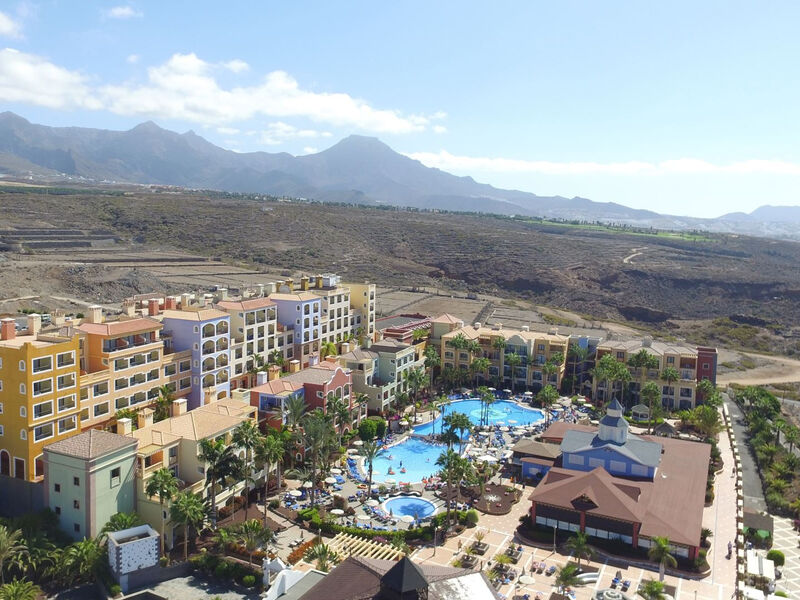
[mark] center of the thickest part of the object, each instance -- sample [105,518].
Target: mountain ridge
[359,169]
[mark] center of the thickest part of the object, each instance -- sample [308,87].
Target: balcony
[687,375]
[127,342]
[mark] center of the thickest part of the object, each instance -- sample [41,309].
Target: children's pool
[416,456]
[502,412]
[419,508]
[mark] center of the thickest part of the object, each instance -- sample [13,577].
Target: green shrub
[782,594]
[248,580]
[115,590]
[221,570]
[367,429]
[472,517]
[163,561]
[777,557]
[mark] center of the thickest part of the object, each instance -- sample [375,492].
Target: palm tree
[11,545]
[248,437]
[479,366]
[415,378]
[670,375]
[322,555]
[659,552]
[621,374]
[188,510]
[792,437]
[317,432]
[270,452]
[578,544]
[163,484]
[294,409]
[642,361]
[370,451]
[20,590]
[513,360]
[327,349]
[578,354]
[82,559]
[650,393]
[450,469]
[252,535]
[163,403]
[121,521]
[551,367]
[449,437]
[432,360]
[459,422]
[652,590]
[220,461]
[340,411]
[547,396]
[567,577]
[602,372]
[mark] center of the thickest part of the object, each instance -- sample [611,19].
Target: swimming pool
[501,412]
[416,456]
[419,508]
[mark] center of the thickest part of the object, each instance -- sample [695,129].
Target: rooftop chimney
[129,308]
[304,283]
[152,307]
[262,377]
[124,426]
[223,293]
[260,288]
[8,329]
[34,324]
[171,303]
[94,314]
[209,395]
[553,331]
[144,418]
[270,288]
[178,407]
[318,282]
[186,300]
[477,325]
[58,317]
[526,328]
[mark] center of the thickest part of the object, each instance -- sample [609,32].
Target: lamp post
[554,539]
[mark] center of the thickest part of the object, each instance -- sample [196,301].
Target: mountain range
[357,169]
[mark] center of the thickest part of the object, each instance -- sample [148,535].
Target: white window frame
[71,355]
[50,414]
[94,409]
[74,402]
[47,370]
[23,412]
[23,434]
[95,394]
[22,365]
[66,387]
[75,424]
[2,431]
[50,391]
[47,437]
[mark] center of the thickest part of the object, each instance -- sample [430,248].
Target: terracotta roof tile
[90,444]
[121,327]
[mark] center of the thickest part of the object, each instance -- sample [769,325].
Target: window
[706,366]
[115,476]
[185,366]
[66,381]
[100,409]
[670,360]
[19,468]
[65,359]
[76,481]
[2,431]
[22,389]
[76,527]
[43,409]
[57,488]
[67,424]
[84,394]
[22,365]
[76,505]
[23,434]
[100,388]
[186,383]
[58,510]
[66,403]
[45,386]
[45,363]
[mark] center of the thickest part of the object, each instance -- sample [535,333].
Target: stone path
[786,540]
[195,588]
[751,482]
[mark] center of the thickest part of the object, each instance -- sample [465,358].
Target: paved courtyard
[194,588]
[786,540]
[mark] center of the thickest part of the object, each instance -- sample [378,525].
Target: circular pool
[413,506]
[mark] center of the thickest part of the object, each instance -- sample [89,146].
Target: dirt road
[777,370]
[636,252]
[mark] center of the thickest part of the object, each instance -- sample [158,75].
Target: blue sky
[680,107]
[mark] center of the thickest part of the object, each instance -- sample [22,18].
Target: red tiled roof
[251,304]
[121,327]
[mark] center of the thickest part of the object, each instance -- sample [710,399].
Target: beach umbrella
[337,511]
[487,458]
[407,519]
[308,484]
[491,389]
[372,502]
[364,518]
[330,480]
[526,580]
[296,493]
[358,443]
[403,422]
[504,429]
[512,421]
[507,391]
[336,471]
[389,480]
[528,394]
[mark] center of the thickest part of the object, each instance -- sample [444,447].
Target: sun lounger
[551,570]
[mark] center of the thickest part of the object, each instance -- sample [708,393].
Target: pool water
[419,508]
[501,412]
[416,456]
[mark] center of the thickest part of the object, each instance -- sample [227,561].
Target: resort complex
[284,436]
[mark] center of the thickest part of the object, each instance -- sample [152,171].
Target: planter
[480,547]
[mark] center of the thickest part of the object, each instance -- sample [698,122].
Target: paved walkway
[751,482]
[196,588]
[785,539]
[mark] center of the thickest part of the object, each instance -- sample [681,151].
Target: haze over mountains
[357,169]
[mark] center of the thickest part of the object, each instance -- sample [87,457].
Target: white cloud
[236,65]
[184,88]
[34,80]
[278,132]
[439,129]
[227,130]
[9,27]
[446,161]
[122,12]
[133,58]
[310,150]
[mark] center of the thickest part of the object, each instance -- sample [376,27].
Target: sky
[682,107]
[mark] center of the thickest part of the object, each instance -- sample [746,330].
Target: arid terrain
[73,247]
